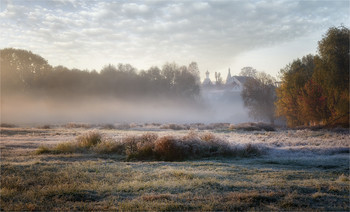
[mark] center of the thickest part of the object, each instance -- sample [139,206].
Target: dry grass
[108,146]
[343,178]
[149,146]
[77,125]
[96,178]
[175,126]
[89,139]
[251,126]
[106,184]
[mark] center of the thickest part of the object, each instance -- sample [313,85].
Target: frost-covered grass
[149,146]
[299,170]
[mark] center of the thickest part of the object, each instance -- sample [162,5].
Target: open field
[294,170]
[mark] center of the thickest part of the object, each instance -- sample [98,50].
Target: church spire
[228,79]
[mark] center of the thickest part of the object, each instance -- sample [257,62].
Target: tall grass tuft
[89,139]
[140,147]
[109,146]
[43,150]
[65,148]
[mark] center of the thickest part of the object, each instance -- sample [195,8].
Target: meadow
[162,167]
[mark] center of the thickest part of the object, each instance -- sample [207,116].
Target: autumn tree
[312,103]
[294,78]
[315,89]
[332,73]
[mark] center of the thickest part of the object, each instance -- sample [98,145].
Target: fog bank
[39,110]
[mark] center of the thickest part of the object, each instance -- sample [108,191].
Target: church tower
[207,81]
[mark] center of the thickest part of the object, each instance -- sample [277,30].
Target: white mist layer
[26,110]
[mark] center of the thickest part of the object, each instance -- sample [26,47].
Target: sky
[89,34]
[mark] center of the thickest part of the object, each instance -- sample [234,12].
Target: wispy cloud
[90,34]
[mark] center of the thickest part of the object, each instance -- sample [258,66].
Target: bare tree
[194,70]
[248,72]
[259,96]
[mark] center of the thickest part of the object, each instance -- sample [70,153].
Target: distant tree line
[315,89]
[23,72]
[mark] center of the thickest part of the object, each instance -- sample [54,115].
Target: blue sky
[266,35]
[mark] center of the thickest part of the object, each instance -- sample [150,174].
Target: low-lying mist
[34,92]
[20,109]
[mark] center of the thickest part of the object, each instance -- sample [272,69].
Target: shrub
[144,151]
[140,147]
[250,150]
[170,149]
[208,137]
[89,139]
[149,147]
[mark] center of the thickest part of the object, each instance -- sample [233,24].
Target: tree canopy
[24,72]
[315,89]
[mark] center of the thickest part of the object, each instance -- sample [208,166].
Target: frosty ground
[295,170]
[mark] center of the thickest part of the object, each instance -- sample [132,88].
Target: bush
[89,139]
[140,147]
[250,150]
[170,149]
[208,137]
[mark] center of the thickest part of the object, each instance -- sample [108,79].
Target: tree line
[23,72]
[314,90]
